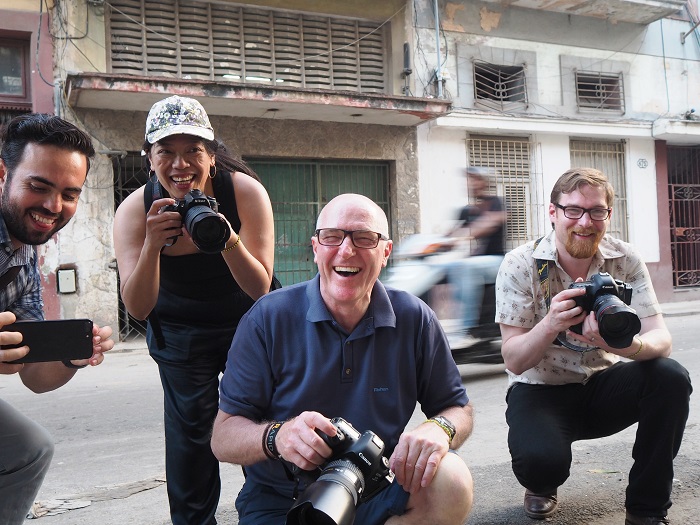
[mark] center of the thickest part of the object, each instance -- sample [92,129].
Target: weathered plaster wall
[86,245]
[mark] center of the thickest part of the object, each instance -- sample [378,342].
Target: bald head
[359,207]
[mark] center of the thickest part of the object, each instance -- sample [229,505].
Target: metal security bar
[499,87]
[510,161]
[684,211]
[600,91]
[608,157]
[129,175]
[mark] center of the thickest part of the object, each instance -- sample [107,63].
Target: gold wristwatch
[446,425]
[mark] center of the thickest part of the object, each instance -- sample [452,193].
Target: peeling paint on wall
[489,19]
[449,24]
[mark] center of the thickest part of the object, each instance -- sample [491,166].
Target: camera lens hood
[331,499]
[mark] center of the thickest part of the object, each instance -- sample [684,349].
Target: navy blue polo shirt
[289,355]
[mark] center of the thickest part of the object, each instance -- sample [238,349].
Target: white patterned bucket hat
[177,115]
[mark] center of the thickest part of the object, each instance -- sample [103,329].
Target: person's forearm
[463,420]
[44,377]
[250,274]
[238,440]
[140,290]
[649,345]
[524,351]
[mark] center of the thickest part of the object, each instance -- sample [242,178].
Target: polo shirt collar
[380,308]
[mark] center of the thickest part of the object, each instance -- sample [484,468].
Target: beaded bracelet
[641,345]
[232,246]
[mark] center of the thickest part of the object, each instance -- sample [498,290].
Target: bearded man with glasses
[343,345]
[559,393]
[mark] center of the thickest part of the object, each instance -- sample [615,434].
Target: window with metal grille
[608,157]
[213,41]
[499,86]
[510,163]
[684,214]
[600,91]
[15,92]
[130,174]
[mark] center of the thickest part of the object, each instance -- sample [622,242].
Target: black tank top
[198,288]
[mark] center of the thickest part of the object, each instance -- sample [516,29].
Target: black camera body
[609,298]
[199,212]
[356,472]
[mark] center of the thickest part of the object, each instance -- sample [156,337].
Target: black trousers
[544,420]
[189,372]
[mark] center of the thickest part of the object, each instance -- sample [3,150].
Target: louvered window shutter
[209,41]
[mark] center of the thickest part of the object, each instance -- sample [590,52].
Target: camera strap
[9,276]
[543,273]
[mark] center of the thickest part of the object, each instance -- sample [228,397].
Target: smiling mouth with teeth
[43,220]
[347,270]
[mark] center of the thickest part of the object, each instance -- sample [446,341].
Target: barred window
[499,87]
[600,91]
[608,157]
[510,162]
[211,41]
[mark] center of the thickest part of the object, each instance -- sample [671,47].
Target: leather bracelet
[264,440]
[68,364]
[270,444]
[232,246]
[641,345]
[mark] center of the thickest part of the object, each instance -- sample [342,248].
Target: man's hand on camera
[298,442]
[563,312]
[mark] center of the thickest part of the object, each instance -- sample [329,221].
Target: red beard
[583,248]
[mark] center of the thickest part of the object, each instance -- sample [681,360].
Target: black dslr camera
[356,472]
[208,229]
[609,299]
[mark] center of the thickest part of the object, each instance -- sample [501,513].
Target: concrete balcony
[642,12]
[135,93]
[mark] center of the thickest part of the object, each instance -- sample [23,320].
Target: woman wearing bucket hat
[192,292]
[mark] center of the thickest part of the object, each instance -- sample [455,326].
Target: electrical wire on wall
[430,84]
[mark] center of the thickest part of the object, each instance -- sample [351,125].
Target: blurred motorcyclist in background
[482,225]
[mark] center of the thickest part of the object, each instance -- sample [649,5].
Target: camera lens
[331,499]
[207,229]
[617,322]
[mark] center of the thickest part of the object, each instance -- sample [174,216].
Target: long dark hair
[224,160]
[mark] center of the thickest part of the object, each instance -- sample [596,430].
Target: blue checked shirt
[22,296]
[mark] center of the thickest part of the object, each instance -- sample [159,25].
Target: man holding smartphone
[44,162]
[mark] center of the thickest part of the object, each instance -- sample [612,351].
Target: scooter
[418,267]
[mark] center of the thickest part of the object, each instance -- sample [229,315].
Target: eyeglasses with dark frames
[360,238]
[576,212]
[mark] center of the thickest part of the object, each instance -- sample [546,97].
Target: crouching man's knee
[446,501]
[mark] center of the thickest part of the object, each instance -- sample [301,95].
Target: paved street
[107,424]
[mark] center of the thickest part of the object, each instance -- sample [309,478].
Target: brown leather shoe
[540,506]
[631,519]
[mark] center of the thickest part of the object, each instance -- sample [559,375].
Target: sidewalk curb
[680,308]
